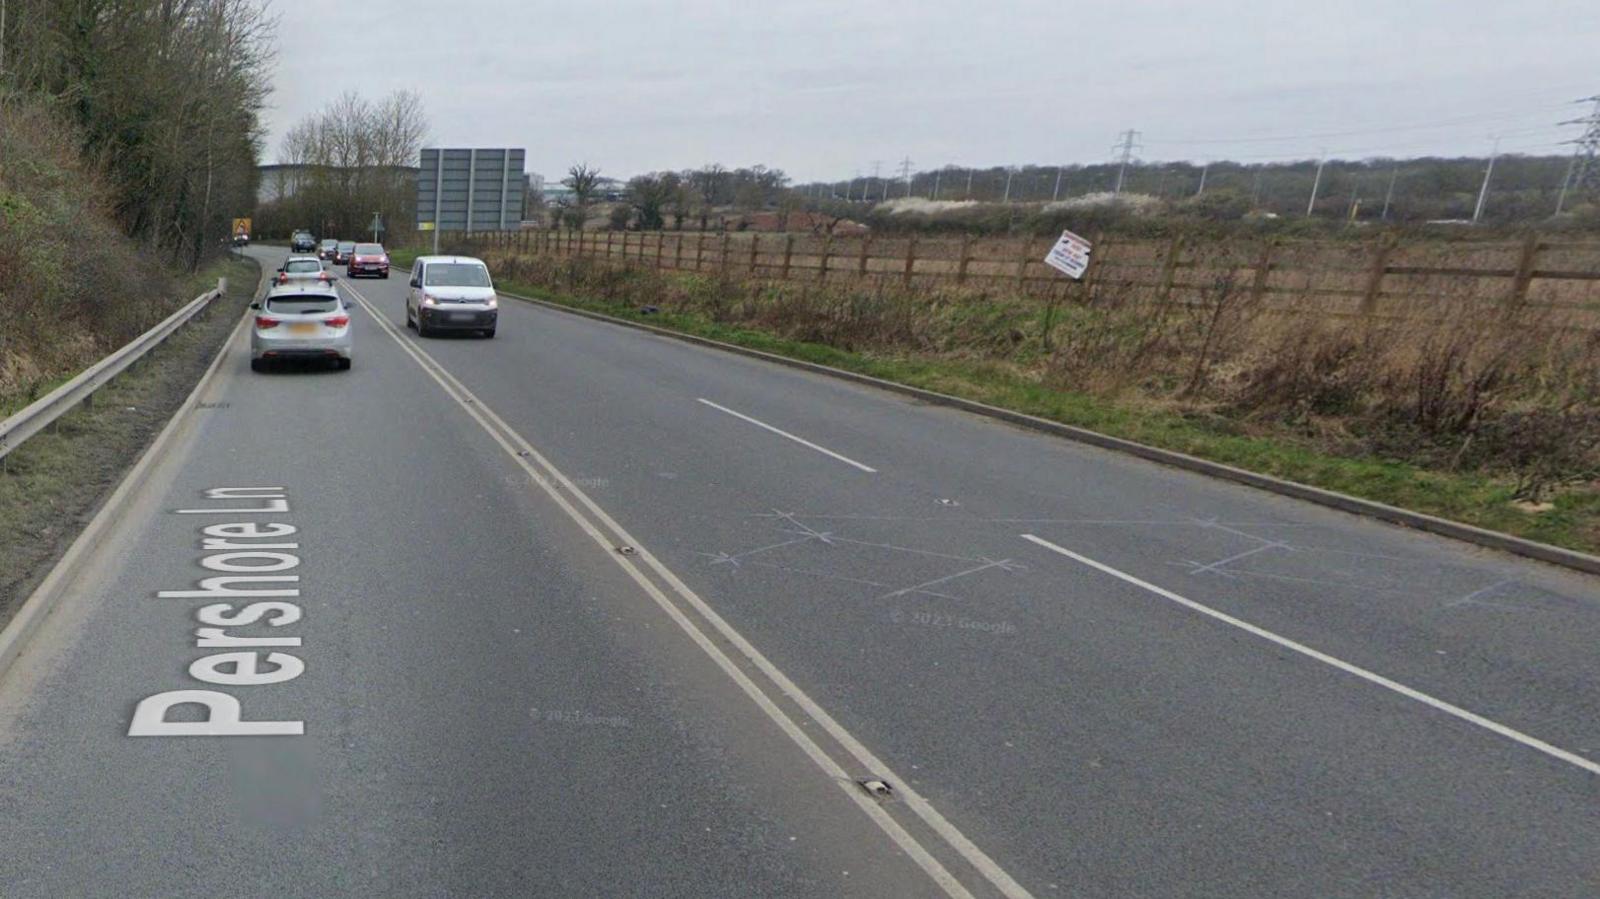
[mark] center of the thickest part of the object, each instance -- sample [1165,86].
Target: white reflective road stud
[223,714]
[246,672]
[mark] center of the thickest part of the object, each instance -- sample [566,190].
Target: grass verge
[1573,522]
[51,485]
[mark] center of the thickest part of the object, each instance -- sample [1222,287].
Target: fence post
[911,260]
[677,252]
[1169,269]
[699,249]
[1524,277]
[755,241]
[866,247]
[966,256]
[827,250]
[1091,277]
[1022,265]
[722,261]
[1380,267]
[1258,284]
[661,239]
[788,254]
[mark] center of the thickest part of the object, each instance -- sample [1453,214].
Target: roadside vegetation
[1495,423]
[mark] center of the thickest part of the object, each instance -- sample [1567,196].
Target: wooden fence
[1378,277]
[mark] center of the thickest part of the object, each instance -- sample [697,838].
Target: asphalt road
[587,611]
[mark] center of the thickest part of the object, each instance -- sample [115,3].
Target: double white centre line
[782,433]
[764,683]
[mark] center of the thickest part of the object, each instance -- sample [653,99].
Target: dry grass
[1509,400]
[72,288]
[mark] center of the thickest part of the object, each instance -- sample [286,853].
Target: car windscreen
[302,265]
[369,249]
[302,304]
[346,246]
[456,274]
[330,243]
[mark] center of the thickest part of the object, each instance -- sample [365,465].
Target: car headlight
[493,303]
[429,301]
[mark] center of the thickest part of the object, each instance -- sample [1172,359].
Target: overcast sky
[822,89]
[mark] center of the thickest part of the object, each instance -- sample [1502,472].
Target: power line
[1583,173]
[1128,144]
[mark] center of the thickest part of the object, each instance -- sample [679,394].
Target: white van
[451,293]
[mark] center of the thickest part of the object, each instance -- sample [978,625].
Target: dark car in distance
[302,242]
[341,253]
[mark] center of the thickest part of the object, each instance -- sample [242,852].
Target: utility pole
[1316,183]
[1055,195]
[1255,192]
[938,176]
[1128,144]
[1010,170]
[905,173]
[877,166]
[1583,172]
[969,185]
[1483,192]
[1388,196]
[1203,169]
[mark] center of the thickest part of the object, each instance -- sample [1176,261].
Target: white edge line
[1369,676]
[555,486]
[782,433]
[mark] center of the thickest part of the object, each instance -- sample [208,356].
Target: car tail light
[322,276]
[283,278]
[263,322]
[338,321]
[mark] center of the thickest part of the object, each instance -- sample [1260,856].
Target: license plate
[462,317]
[303,328]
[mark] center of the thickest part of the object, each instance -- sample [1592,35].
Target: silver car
[300,321]
[302,267]
[451,293]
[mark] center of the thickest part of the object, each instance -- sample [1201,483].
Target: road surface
[581,610]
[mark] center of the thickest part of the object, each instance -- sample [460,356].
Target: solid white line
[782,433]
[1369,676]
[559,487]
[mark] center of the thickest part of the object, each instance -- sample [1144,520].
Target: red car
[368,259]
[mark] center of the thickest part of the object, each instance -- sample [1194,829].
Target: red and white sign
[1070,255]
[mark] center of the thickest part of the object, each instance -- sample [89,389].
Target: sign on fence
[241,227]
[1070,255]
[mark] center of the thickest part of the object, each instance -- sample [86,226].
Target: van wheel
[344,364]
[258,365]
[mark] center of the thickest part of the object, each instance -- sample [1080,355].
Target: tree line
[355,158]
[166,96]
